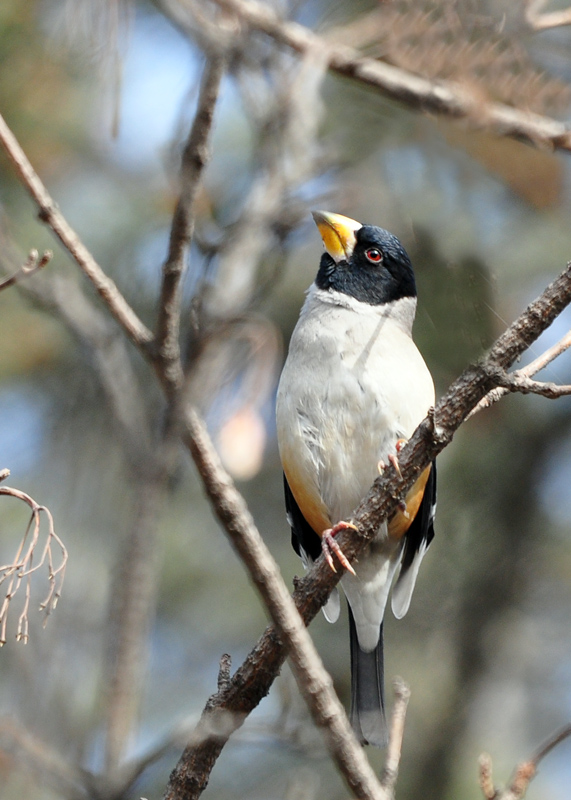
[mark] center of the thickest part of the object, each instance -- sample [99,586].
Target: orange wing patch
[310,504]
[400,522]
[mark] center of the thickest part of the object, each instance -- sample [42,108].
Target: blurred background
[101,96]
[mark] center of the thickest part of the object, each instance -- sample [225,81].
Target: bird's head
[363,261]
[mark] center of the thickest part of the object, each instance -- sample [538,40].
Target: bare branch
[542,22]
[194,158]
[552,742]
[528,371]
[50,214]
[524,772]
[516,382]
[21,568]
[28,269]
[396,734]
[486,777]
[443,98]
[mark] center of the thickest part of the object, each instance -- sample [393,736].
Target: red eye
[374,255]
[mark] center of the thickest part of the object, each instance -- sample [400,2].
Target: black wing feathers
[422,527]
[302,534]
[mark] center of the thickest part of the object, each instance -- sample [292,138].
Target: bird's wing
[417,540]
[307,545]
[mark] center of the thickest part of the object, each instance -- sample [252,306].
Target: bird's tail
[367,690]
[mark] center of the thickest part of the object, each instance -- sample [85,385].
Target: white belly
[353,384]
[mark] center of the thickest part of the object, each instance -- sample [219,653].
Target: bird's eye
[374,255]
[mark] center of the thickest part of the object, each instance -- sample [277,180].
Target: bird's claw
[393,458]
[329,545]
[395,462]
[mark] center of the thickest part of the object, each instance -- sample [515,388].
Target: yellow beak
[338,233]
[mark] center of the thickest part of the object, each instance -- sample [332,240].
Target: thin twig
[523,773]
[528,371]
[542,22]
[195,156]
[51,215]
[551,743]
[486,779]
[22,567]
[28,269]
[443,98]
[516,382]
[396,734]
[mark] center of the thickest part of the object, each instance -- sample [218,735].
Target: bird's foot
[393,457]
[329,545]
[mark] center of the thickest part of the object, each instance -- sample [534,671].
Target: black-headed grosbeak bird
[354,387]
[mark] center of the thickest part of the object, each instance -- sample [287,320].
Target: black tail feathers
[367,691]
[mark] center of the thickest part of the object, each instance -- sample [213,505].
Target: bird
[353,389]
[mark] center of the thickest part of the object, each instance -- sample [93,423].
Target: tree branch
[528,371]
[443,98]
[523,774]
[50,214]
[396,734]
[518,382]
[194,159]
[542,22]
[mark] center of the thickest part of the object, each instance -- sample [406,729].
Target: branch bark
[195,156]
[443,98]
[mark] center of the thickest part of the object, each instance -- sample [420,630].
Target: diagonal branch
[49,213]
[444,98]
[195,156]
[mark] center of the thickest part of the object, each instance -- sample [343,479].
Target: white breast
[353,383]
